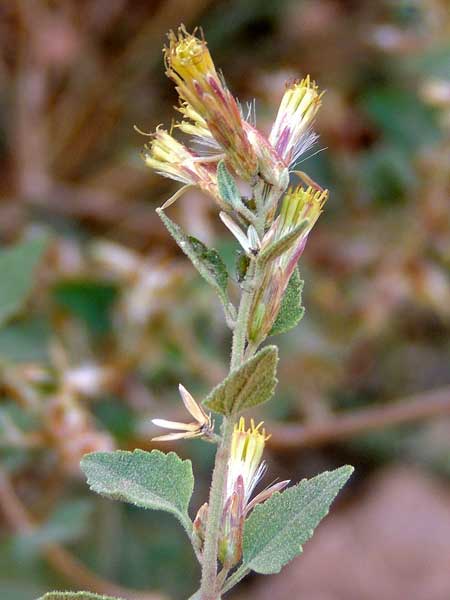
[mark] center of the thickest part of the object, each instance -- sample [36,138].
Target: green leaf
[75,596]
[291,310]
[207,261]
[280,246]
[251,384]
[147,479]
[228,189]
[212,259]
[17,267]
[276,530]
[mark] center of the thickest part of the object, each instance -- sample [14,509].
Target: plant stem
[208,590]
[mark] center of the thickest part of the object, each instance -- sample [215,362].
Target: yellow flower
[291,133]
[247,447]
[245,469]
[190,66]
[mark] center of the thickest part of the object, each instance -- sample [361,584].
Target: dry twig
[426,405]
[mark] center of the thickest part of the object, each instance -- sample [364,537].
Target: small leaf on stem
[206,260]
[291,310]
[251,384]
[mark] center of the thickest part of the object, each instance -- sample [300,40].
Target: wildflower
[172,159]
[299,205]
[291,133]
[190,66]
[245,470]
[201,427]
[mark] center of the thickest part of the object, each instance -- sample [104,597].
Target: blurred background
[101,316]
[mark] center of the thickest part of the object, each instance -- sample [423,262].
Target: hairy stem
[208,590]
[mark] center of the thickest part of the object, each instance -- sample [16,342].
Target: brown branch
[418,407]
[58,557]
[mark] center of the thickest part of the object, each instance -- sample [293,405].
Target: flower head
[247,447]
[291,133]
[245,469]
[174,160]
[195,125]
[201,427]
[190,66]
[300,206]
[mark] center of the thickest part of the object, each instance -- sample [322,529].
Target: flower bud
[199,527]
[299,205]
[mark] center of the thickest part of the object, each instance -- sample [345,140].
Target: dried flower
[201,427]
[299,205]
[209,101]
[291,133]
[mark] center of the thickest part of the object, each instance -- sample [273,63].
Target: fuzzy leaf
[207,261]
[17,266]
[75,596]
[291,310]
[276,530]
[212,260]
[147,479]
[280,246]
[227,186]
[251,384]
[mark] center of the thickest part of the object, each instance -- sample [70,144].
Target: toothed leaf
[147,479]
[275,531]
